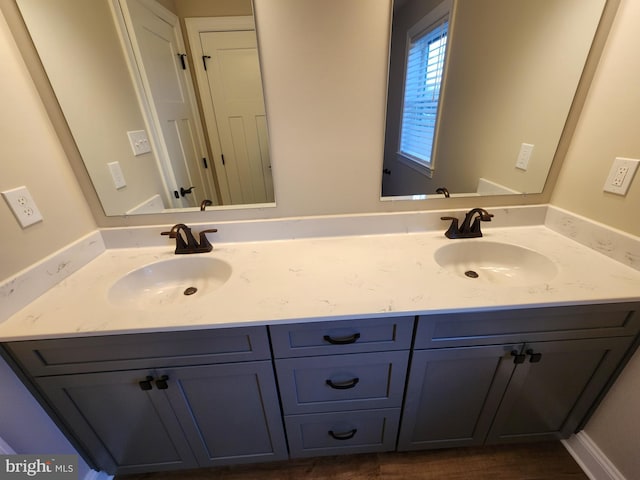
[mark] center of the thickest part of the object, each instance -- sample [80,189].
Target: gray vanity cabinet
[342,383]
[519,375]
[195,404]
[452,395]
[230,413]
[123,428]
[548,398]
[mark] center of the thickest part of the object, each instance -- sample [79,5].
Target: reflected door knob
[185,191]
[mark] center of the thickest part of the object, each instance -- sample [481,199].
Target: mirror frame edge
[36,70]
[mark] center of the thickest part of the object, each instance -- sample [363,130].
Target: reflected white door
[234,88]
[157,43]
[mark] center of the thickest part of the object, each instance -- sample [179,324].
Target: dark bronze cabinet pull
[534,357]
[161,383]
[343,385]
[518,357]
[146,384]
[343,436]
[342,340]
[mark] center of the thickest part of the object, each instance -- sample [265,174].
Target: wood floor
[540,461]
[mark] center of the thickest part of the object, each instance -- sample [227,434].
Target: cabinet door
[230,413]
[452,395]
[551,392]
[123,428]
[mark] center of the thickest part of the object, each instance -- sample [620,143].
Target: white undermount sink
[495,262]
[176,281]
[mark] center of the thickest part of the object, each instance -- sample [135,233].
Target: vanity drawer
[344,336]
[342,432]
[342,382]
[534,324]
[119,352]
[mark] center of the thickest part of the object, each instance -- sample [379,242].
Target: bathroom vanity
[324,346]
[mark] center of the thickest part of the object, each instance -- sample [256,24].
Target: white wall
[610,127]
[31,155]
[325,101]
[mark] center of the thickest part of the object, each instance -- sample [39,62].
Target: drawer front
[342,432]
[342,382]
[344,336]
[535,324]
[148,350]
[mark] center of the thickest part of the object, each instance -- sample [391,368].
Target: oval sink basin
[170,282]
[494,262]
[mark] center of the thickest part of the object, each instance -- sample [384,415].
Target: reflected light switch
[526,149]
[139,142]
[117,175]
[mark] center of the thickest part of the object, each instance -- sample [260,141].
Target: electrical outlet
[22,205]
[621,175]
[139,142]
[526,150]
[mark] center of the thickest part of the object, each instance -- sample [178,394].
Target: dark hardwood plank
[536,461]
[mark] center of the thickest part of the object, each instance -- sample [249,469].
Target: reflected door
[234,89]
[157,42]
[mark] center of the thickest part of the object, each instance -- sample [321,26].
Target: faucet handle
[205,245]
[453,231]
[475,226]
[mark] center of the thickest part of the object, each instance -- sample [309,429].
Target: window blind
[425,67]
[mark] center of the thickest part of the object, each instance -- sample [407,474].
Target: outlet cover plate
[526,150]
[621,175]
[22,205]
[116,175]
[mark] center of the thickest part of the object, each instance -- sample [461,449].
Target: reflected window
[424,70]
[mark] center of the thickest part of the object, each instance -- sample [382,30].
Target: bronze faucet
[186,242]
[468,229]
[444,191]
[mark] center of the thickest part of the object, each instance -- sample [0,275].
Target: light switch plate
[526,150]
[621,175]
[117,175]
[22,205]
[139,142]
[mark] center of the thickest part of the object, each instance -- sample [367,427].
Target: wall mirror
[163,98]
[508,81]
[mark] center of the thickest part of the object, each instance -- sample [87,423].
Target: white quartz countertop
[320,279]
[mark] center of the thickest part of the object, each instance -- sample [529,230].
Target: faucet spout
[470,227]
[476,215]
[186,243]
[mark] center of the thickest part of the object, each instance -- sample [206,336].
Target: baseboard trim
[591,459]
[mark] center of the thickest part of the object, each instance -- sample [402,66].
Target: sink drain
[471,274]
[190,291]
